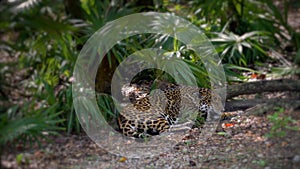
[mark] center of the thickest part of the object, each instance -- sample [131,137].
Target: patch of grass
[260,162]
[21,159]
[223,134]
[280,122]
[92,157]
[200,121]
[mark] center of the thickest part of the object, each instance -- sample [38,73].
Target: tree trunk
[105,74]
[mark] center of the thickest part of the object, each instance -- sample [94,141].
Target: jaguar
[153,112]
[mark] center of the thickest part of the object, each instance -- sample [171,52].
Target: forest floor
[243,144]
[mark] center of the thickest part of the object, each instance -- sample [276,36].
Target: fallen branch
[246,104]
[263,86]
[267,107]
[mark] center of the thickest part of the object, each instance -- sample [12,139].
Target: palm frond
[21,5]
